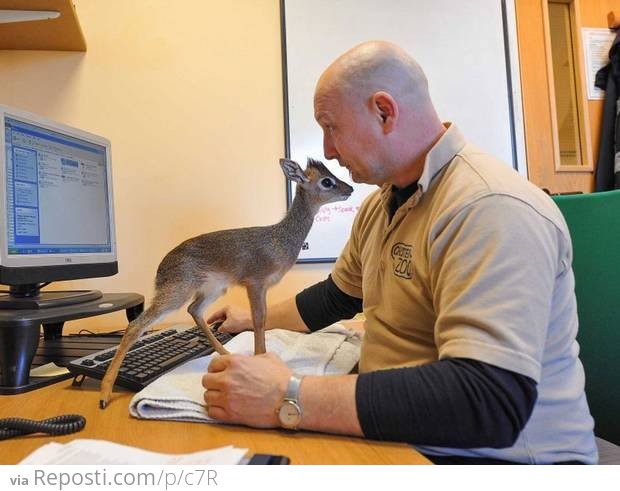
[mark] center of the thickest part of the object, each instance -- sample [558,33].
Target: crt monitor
[56,209]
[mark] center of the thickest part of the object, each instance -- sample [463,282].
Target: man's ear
[386,110]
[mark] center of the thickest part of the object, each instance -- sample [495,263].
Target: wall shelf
[61,34]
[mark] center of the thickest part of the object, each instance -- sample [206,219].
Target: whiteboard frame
[513,77]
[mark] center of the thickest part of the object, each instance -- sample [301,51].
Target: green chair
[594,224]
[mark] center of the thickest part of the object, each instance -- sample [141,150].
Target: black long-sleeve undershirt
[324,303]
[459,403]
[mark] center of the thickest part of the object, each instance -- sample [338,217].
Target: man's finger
[218,315]
[213,397]
[216,412]
[213,381]
[219,363]
[225,327]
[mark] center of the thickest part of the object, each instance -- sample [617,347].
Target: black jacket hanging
[608,79]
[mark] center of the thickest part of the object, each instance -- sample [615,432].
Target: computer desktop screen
[56,203]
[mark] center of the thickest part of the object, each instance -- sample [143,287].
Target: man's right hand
[234,319]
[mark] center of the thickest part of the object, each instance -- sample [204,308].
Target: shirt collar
[450,143]
[440,154]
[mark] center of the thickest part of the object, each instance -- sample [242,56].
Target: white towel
[178,395]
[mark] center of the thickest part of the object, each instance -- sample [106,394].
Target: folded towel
[178,395]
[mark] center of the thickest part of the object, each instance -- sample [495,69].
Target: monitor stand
[28,297]
[21,345]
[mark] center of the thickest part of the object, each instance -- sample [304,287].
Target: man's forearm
[455,402]
[284,315]
[324,303]
[328,404]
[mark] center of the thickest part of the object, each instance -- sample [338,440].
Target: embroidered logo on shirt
[402,260]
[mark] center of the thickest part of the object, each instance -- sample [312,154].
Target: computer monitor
[56,209]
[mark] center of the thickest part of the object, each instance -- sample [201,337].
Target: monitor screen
[56,201]
[47,172]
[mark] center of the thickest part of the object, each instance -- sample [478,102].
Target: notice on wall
[596,44]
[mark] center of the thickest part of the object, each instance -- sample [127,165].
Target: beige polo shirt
[476,264]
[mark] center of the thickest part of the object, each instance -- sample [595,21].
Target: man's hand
[234,319]
[246,389]
[283,315]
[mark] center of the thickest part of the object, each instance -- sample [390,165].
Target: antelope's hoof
[103,403]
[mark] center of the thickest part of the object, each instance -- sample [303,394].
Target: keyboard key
[105,356]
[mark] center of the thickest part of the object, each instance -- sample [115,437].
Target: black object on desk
[19,338]
[268,459]
[59,425]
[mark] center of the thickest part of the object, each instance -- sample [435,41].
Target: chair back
[594,224]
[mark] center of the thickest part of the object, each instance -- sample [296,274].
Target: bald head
[376,114]
[376,66]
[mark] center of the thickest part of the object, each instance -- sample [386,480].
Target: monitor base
[42,300]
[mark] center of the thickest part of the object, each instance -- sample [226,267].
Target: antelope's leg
[132,333]
[196,309]
[257,293]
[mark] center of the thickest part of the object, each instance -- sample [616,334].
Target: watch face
[289,415]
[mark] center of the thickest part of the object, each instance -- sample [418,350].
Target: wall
[190,95]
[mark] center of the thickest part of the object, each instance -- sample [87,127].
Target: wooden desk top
[114,424]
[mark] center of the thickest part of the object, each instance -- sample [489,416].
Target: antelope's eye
[327,183]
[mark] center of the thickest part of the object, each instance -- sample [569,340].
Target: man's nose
[329,149]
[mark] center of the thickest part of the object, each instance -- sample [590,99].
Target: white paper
[101,452]
[596,43]
[48,370]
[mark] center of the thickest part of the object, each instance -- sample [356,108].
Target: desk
[115,424]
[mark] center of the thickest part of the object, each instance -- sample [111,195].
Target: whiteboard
[467,50]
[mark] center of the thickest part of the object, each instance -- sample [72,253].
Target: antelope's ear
[293,172]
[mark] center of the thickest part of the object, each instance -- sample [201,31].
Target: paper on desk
[101,452]
[48,370]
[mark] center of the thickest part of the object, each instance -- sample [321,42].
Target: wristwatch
[289,412]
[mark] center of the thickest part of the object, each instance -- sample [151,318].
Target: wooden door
[537,94]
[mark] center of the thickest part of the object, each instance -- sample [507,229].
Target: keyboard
[150,357]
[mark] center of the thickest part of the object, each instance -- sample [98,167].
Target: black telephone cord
[58,425]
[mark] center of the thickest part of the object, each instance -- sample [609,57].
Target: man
[463,271]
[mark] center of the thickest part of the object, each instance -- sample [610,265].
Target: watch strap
[292,388]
